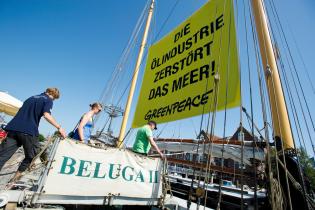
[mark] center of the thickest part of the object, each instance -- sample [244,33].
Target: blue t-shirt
[28,117]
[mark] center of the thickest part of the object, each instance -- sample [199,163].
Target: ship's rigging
[272,99]
[288,74]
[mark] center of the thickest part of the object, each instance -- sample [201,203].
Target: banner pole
[135,76]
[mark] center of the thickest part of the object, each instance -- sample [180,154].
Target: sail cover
[81,170]
[179,78]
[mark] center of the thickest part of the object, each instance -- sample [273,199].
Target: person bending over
[23,128]
[144,140]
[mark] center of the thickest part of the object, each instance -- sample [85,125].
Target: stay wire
[293,63]
[263,106]
[293,106]
[199,136]
[281,131]
[102,130]
[113,79]
[299,165]
[293,78]
[121,79]
[290,94]
[282,152]
[145,53]
[225,109]
[119,101]
[263,96]
[251,103]
[162,130]
[271,114]
[240,113]
[213,120]
[129,83]
[271,84]
[302,60]
[167,19]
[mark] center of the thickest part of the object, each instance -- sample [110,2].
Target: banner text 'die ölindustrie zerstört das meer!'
[179,75]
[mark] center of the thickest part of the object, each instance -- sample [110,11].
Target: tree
[41,137]
[308,166]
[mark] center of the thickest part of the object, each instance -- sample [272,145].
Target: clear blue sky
[75,45]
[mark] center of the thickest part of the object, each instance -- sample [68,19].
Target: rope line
[240,112]
[251,106]
[297,158]
[225,113]
[283,39]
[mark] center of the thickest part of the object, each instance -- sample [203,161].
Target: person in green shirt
[144,140]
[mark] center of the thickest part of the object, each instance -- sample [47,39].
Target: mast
[135,76]
[280,118]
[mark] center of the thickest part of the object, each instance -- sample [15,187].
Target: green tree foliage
[308,166]
[41,138]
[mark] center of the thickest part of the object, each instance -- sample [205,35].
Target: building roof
[247,135]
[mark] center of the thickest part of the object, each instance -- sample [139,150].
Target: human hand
[62,132]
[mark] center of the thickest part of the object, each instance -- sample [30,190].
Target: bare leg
[16,177]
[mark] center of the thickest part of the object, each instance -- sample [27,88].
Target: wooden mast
[280,118]
[135,76]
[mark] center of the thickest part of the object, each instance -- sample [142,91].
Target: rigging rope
[297,157]
[200,129]
[251,105]
[282,148]
[292,60]
[262,87]
[277,112]
[113,80]
[283,39]
[240,112]
[301,57]
[166,19]
[225,115]
[293,107]
[213,120]
[209,146]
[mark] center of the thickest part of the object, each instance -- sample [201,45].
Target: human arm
[153,144]
[86,117]
[54,123]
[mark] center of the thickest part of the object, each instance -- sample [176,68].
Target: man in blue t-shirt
[23,128]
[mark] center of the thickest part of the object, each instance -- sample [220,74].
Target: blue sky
[75,45]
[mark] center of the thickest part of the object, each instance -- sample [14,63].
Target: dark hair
[96,104]
[152,122]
